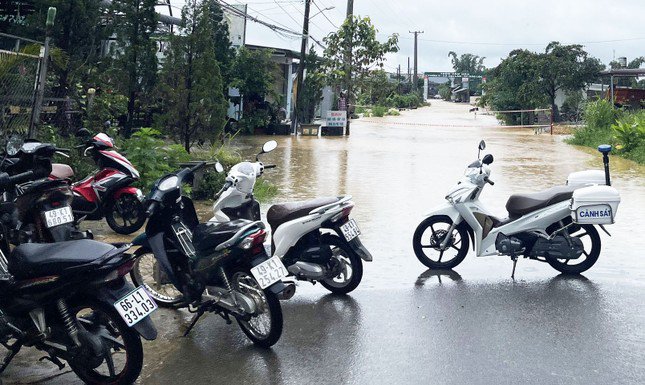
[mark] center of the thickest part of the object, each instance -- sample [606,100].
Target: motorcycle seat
[285,212]
[522,204]
[33,260]
[62,171]
[207,236]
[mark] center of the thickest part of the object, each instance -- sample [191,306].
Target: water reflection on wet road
[405,324]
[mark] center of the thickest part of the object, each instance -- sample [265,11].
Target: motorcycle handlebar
[152,208]
[490,182]
[6,180]
[226,185]
[197,166]
[268,166]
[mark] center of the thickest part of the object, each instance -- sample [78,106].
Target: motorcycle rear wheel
[125,215]
[352,273]
[123,344]
[591,241]
[264,328]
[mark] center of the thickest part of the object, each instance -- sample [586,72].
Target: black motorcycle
[70,300]
[37,210]
[209,267]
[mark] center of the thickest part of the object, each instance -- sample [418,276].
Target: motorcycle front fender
[448,210]
[111,293]
[129,190]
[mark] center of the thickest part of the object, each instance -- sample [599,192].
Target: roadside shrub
[151,156]
[629,132]
[379,111]
[393,112]
[600,114]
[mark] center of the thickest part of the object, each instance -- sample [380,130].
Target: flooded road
[405,324]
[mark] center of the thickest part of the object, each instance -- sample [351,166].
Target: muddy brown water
[397,169]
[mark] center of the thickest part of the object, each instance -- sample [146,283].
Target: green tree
[526,80]
[224,52]
[359,35]
[467,63]
[76,35]
[567,68]
[377,88]
[190,81]
[253,74]
[312,87]
[513,85]
[134,68]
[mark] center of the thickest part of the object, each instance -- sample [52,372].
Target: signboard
[336,119]
[450,75]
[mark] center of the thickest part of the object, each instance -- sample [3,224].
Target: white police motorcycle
[316,240]
[556,225]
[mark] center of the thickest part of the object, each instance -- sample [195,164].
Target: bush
[629,132]
[393,112]
[379,111]
[600,114]
[151,156]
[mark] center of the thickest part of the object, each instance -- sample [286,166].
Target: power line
[323,13]
[517,44]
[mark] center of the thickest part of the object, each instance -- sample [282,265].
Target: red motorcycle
[107,192]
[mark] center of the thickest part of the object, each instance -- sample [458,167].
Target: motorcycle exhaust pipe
[284,291]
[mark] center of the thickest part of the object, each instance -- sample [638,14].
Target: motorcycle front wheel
[121,359]
[264,327]
[428,238]
[147,272]
[125,215]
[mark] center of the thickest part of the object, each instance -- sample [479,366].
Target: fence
[19,65]
[539,119]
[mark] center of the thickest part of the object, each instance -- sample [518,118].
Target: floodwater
[398,168]
[405,324]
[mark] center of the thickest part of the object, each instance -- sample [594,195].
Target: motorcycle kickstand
[196,318]
[54,360]
[514,258]
[13,350]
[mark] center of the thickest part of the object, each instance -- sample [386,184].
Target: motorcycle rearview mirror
[82,133]
[482,147]
[13,145]
[268,147]
[488,159]
[219,168]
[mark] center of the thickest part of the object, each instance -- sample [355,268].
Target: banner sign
[336,119]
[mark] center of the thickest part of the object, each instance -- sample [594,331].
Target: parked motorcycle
[37,210]
[108,192]
[209,267]
[71,301]
[316,239]
[557,226]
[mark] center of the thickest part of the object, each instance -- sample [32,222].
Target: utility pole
[398,79]
[348,66]
[301,69]
[414,85]
[409,74]
[42,76]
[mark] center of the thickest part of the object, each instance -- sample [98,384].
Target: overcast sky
[607,28]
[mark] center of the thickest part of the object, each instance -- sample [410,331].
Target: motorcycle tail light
[125,268]
[343,214]
[254,241]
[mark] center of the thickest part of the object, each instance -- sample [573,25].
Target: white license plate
[59,216]
[350,230]
[135,306]
[269,272]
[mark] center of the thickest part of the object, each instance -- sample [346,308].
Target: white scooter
[316,239]
[554,226]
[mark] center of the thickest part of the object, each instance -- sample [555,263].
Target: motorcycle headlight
[168,183]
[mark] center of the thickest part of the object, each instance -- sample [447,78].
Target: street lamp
[321,11]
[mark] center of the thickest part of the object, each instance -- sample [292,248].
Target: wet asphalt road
[405,325]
